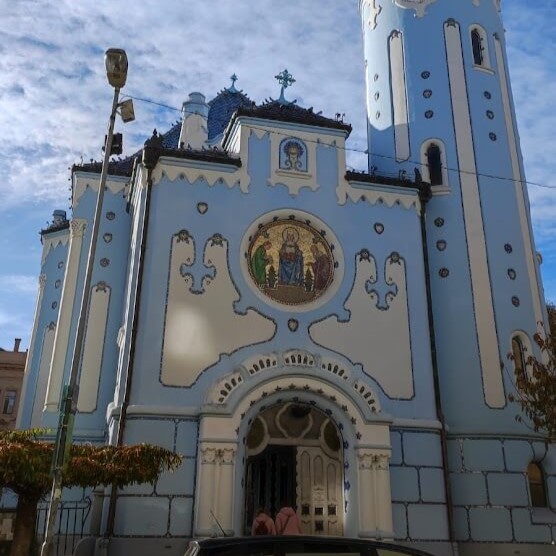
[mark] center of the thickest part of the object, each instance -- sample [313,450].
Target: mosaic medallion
[290,262]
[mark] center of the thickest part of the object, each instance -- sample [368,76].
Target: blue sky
[54,98]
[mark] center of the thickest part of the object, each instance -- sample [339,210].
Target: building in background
[12,367]
[303,333]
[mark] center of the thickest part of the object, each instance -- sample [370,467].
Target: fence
[71,525]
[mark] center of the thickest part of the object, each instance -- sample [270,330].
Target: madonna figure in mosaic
[290,262]
[291,259]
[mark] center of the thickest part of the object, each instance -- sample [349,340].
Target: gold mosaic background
[307,237]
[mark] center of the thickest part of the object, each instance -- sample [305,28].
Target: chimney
[59,217]
[16,344]
[194,129]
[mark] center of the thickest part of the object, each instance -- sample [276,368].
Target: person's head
[260,510]
[267,245]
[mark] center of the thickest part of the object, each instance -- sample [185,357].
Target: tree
[551,308]
[536,383]
[25,462]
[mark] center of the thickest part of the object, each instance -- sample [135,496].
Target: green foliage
[551,308]
[536,388]
[25,462]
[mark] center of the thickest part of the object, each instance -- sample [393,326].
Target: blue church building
[301,332]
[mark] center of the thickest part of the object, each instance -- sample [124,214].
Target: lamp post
[115,61]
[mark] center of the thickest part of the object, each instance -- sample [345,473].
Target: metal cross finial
[285,79]
[232,88]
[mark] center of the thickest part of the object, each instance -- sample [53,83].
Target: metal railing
[71,524]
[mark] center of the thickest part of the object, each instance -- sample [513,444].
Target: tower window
[434,164]
[518,353]
[477,44]
[479,48]
[537,490]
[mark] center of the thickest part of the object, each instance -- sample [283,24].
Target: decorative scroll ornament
[208,455]
[373,460]
[225,456]
[419,6]
[77,227]
[374,12]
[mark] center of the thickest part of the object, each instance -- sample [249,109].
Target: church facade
[302,333]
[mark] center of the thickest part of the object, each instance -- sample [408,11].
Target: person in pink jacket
[288,522]
[263,524]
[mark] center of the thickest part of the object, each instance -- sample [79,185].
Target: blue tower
[439,100]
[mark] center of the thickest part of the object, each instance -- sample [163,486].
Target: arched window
[478,48]
[434,164]
[537,490]
[518,353]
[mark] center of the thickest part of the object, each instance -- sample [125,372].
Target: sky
[55,100]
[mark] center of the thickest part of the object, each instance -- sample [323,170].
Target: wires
[362,151]
[152,102]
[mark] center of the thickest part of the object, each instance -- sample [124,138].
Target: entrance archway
[295,457]
[235,402]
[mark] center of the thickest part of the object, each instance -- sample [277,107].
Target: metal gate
[71,524]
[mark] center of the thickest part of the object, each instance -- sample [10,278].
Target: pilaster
[31,352]
[215,488]
[375,505]
[77,230]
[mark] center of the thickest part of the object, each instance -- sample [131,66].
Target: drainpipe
[425,194]
[151,153]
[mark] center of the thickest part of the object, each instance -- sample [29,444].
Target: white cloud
[54,94]
[18,283]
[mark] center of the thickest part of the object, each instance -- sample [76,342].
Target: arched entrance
[234,404]
[295,457]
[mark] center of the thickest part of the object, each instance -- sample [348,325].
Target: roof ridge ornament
[286,79]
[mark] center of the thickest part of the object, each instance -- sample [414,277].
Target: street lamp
[115,60]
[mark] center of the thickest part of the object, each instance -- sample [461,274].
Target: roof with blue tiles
[222,108]
[228,104]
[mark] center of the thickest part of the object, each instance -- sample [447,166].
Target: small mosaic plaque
[293,155]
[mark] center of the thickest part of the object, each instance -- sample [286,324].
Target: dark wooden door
[270,481]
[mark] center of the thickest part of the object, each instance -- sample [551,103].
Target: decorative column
[375,501]
[31,352]
[226,462]
[46,348]
[383,495]
[77,230]
[93,350]
[215,489]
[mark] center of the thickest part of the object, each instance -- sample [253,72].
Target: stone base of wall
[496,549]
